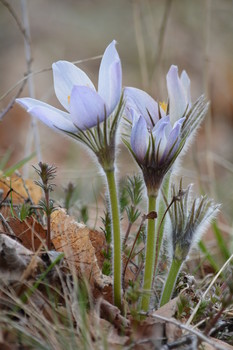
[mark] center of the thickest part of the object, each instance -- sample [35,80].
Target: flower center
[68,99]
[163,105]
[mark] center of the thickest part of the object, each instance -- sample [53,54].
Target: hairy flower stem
[171,280]
[115,216]
[150,255]
[162,208]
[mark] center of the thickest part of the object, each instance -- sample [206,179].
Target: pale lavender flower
[159,131]
[84,105]
[179,95]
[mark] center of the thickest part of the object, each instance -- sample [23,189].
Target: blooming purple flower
[159,131]
[85,106]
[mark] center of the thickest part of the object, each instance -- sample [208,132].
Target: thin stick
[208,124]
[132,249]
[185,327]
[10,190]
[158,58]
[11,103]
[140,45]
[208,289]
[16,18]
[28,55]
[127,233]
[44,70]
[6,225]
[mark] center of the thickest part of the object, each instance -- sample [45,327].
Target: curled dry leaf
[19,193]
[30,232]
[15,259]
[168,310]
[74,240]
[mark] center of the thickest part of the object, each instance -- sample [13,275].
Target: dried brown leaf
[73,238]
[15,259]
[168,310]
[30,232]
[19,193]
[99,243]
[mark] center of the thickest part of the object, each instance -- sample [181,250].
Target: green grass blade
[221,243]
[42,277]
[208,256]
[5,159]
[10,171]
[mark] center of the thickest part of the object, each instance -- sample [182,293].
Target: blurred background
[151,35]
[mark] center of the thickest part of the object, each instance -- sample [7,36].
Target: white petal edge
[65,76]
[49,115]
[110,77]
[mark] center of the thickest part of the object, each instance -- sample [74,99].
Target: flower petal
[52,117]
[160,134]
[132,115]
[144,103]
[184,78]
[172,143]
[140,139]
[86,107]
[65,76]
[29,103]
[176,94]
[110,77]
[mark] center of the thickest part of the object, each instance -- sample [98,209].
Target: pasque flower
[189,219]
[75,91]
[158,134]
[91,118]
[159,131]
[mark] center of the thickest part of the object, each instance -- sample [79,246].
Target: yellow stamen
[68,99]
[163,105]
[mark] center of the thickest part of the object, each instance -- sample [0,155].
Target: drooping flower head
[189,219]
[159,131]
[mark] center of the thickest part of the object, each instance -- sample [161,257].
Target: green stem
[170,282]
[115,216]
[161,210]
[150,255]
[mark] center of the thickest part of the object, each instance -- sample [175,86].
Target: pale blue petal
[145,104]
[176,95]
[132,115]
[180,122]
[173,142]
[49,115]
[161,143]
[160,125]
[110,77]
[86,107]
[160,133]
[140,139]
[65,76]
[184,78]
[53,119]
